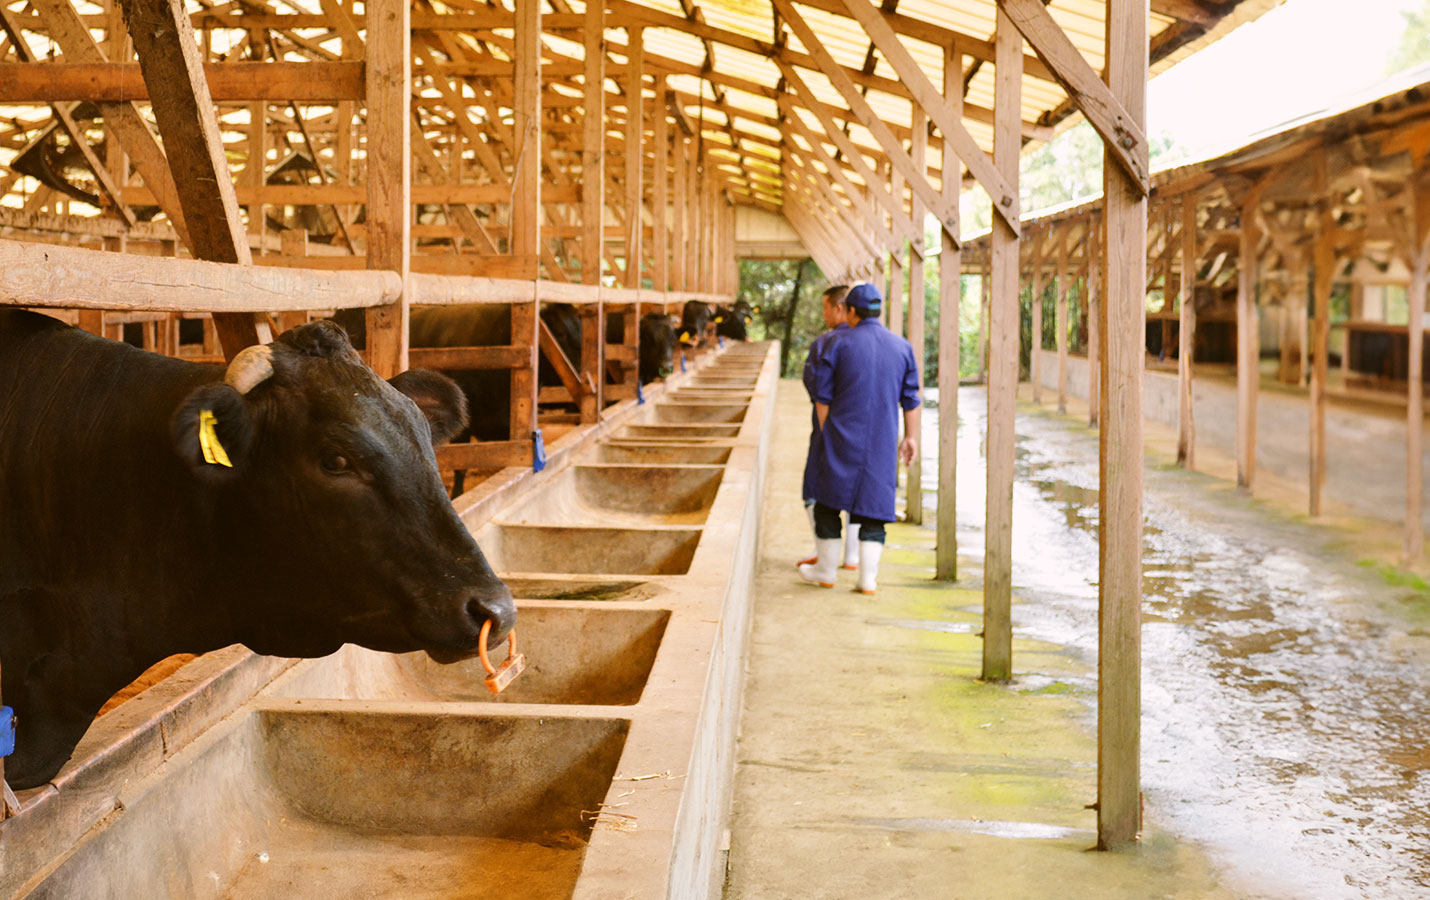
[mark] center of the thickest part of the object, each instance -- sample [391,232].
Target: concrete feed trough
[604,770]
[303,799]
[635,495]
[576,654]
[660,454]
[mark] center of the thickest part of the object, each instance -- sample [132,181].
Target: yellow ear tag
[719,319]
[685,337]
[757,309]
[214,454]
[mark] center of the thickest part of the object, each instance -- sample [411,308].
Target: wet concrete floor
[1285,693]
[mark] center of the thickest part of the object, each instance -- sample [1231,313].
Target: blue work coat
[866,377]
[811,363]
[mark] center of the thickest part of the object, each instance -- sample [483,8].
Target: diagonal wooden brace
[1125,140]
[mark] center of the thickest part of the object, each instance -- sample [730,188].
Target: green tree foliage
[788,293]
[1414,47]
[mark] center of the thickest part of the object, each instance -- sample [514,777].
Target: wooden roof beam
[169,57]
[1004,201]
[1121,135]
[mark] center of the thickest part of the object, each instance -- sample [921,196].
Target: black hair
[836,293]
[864,312]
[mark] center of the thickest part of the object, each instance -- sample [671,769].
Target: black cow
[694,318]
[657,343]
[151,506]
[732,321]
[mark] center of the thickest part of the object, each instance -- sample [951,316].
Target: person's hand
[908,447]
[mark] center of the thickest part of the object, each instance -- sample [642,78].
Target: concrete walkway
[872,764]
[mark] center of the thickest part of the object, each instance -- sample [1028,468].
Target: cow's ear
[439,398]
[213,431]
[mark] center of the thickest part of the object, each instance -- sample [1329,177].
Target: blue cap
[864,296]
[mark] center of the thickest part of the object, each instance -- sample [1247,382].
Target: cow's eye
[336,464]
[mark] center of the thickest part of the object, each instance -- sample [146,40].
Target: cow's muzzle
[474,608]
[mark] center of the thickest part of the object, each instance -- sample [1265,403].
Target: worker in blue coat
[861,381]
[836,321]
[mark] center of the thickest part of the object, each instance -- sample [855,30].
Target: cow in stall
[695,317]
[289,501]
[734,320]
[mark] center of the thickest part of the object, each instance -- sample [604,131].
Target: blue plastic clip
[538,451]
[7,731]
[640,394]
[682,362]
[721,340]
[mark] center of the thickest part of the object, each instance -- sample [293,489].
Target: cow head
[323,486]
[657,347]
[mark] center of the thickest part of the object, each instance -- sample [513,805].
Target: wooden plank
[1186,335]
[514,356]
[526,133]
[593,151]
[47,275]
[660,187]
[389,176]
[1119,686]
[459,213]
[169,59]
[560,362]
[1248,342]
[635,120]
[1121,134]
[484,455]
[917,179]
[950,363]
[118,82]
[1002,369]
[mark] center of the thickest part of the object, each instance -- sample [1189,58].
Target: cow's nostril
[500,611]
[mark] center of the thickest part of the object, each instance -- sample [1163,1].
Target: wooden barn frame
[523,149]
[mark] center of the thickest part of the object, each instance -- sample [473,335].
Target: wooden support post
[1248,343]
[593,151]
[1096,289]
[918,150]
[1062,319]
[896,259]
[950,297]
[173,71]
[1035,352]
[1186,335]
[389,175]
[526,136]
[635,121]
[1002,365]
[985,292]
[1324,263]
[678,236]
[1119,661]
[660,186]
[1419,251]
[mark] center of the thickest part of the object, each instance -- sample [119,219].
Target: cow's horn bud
[250,368]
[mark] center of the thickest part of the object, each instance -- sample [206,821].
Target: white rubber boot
[869,553]
[826,566]
[809,511]
[851,546]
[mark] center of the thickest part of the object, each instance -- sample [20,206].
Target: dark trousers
[827,525]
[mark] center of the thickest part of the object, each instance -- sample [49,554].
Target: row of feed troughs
[602,771]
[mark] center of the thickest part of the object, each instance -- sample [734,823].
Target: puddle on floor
[1285,689]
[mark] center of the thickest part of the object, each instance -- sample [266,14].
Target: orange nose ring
[498,678]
